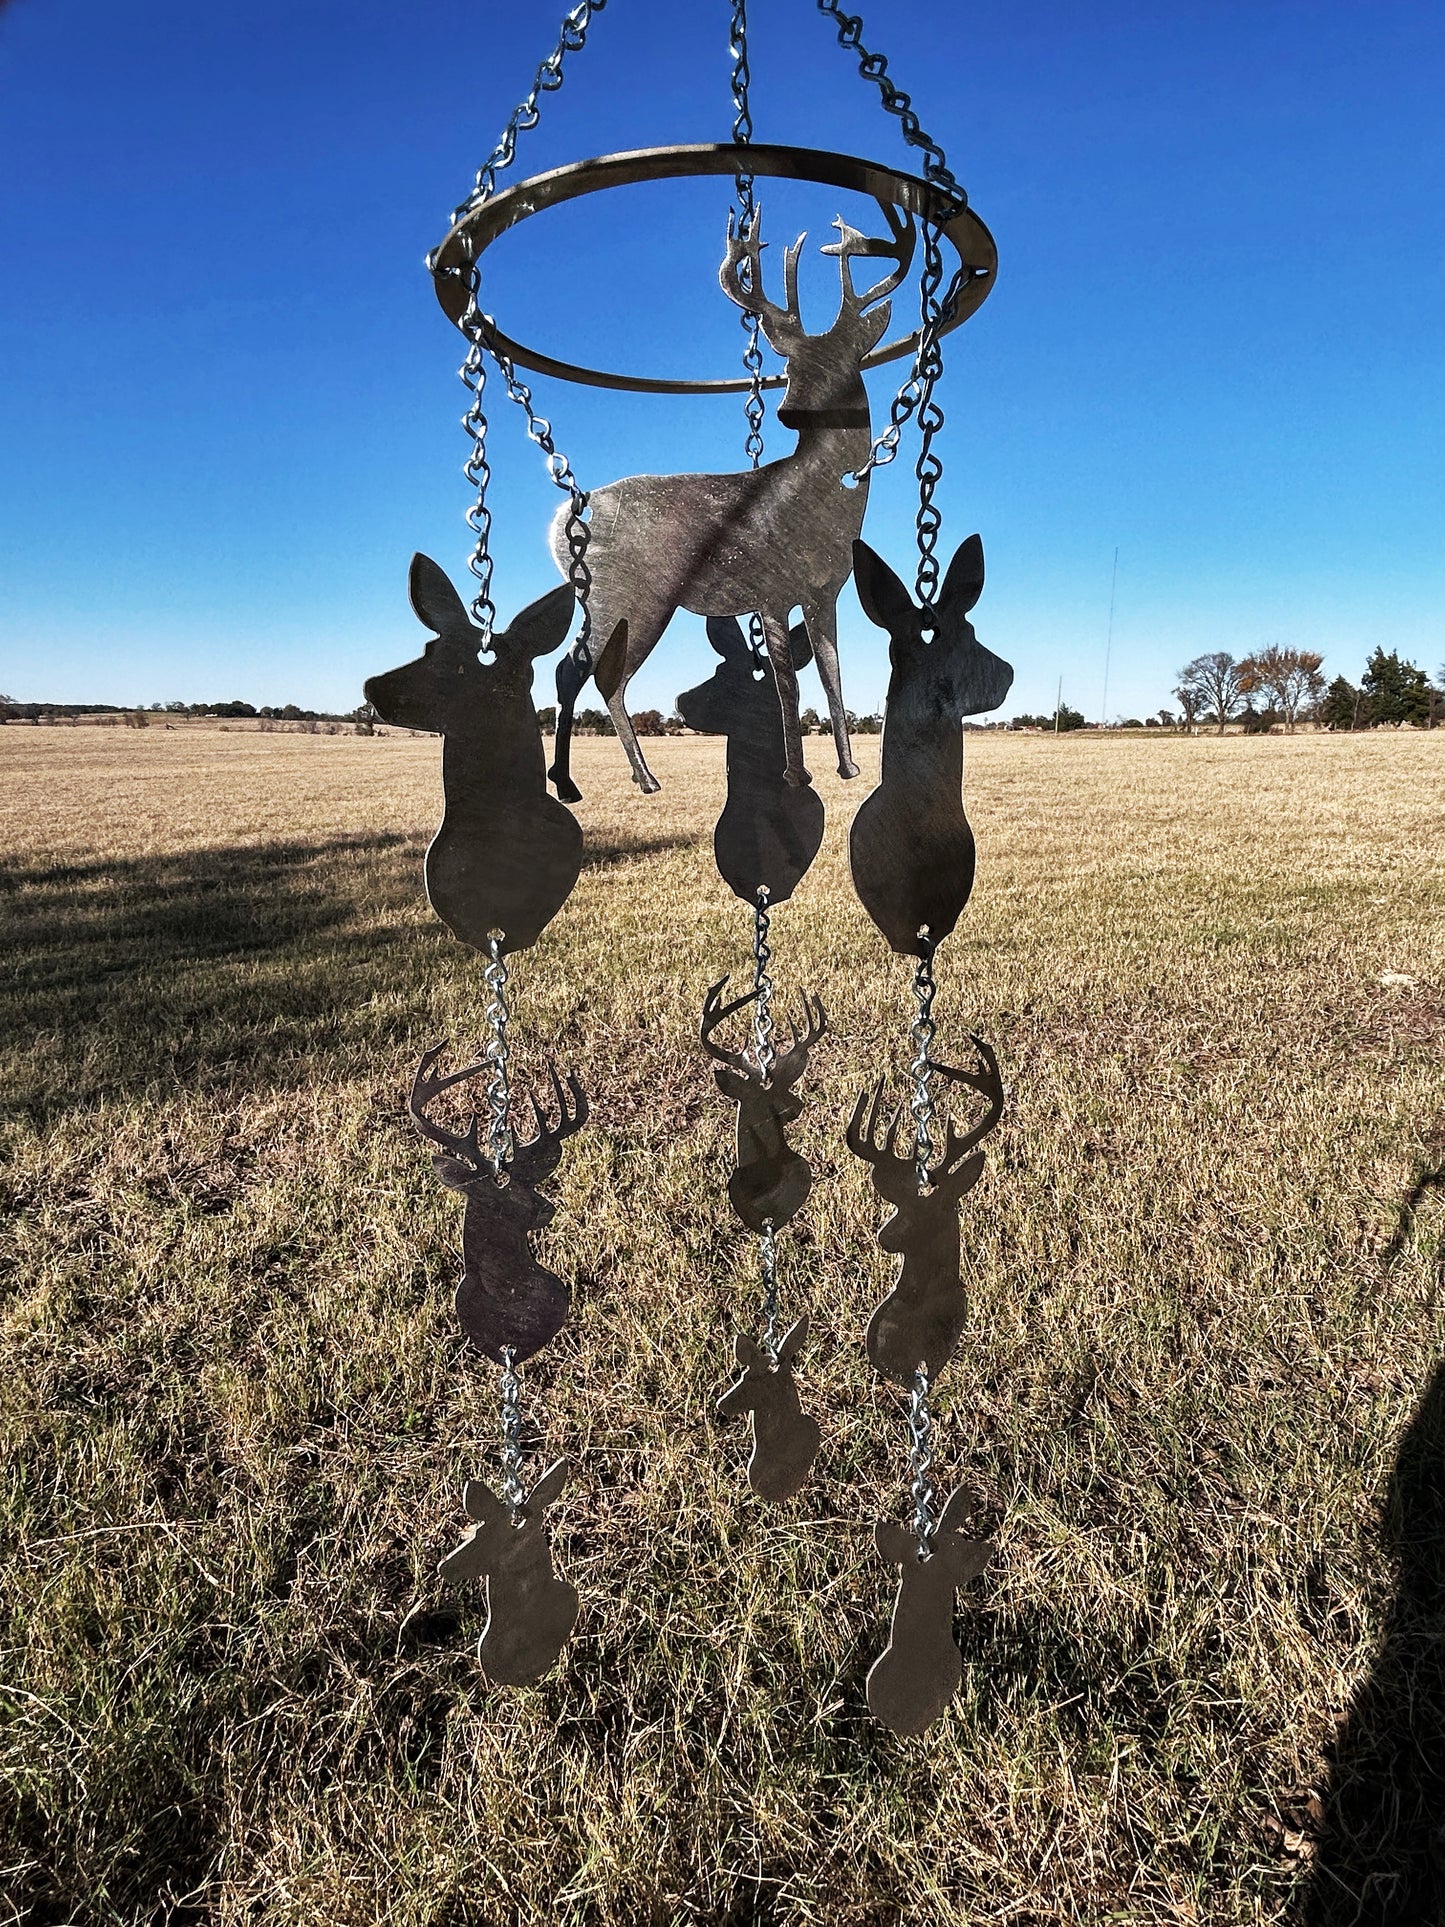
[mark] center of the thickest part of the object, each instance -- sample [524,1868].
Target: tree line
[1280,687]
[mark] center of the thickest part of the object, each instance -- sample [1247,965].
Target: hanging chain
[476,326]
[920,1462]
[763,1026]
[768,1268]
[929,367]
[875,68]
[924,1030]
[499,1105]
[512,1491]
[746,209]
[527,113]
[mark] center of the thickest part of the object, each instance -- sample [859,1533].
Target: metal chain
[499,1105]
[476,467]
[924,1031]
[875,68]
[920,1462]
[929,469]
[512,1491]
[763,1026]
[745,210]
[526,113]
[768,1264]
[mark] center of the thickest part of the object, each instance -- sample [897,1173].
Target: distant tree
[136,719]
[1214,683]
[1258,722]
[675,725]
[231,709]
[809,723]
[1398,692]
[1165,719]
[1343,706]
[1067,718]
[547,719]
[648,722]
[177,709]
[1189,706]
[594,722]
[364,716]
[1289,677]
[1132,722]
[8,708]
[869,725]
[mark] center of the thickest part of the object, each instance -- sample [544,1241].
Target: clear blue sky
[228,400]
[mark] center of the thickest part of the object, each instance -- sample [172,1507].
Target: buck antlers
[921,1319]
[771,1182]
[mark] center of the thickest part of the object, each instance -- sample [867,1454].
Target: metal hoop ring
[475,232]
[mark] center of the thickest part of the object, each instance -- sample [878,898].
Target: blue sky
[229,406]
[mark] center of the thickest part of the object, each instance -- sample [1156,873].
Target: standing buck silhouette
[769,831]
[919,1670]
[507,854]
[911,847]
[921,1320]
[506,1301]
[531,1612]
[769,539]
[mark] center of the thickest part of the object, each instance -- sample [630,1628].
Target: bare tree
[1214,681]
[1188,701]
[1289,677]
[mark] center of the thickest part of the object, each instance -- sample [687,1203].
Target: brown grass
[1205,1272]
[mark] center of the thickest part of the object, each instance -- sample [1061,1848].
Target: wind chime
[743,550]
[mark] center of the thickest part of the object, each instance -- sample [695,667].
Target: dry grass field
[1201,1388]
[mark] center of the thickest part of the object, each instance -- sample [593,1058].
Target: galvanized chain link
[929,469]
[526,113]
[763,1025]
[512,1491]
[923,1032]
[920,1463]
[498,1055]
[875,68]
[768,1268]
[743,213]
[476,327]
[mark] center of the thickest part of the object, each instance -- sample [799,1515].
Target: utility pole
[1058,704]
[1109,643]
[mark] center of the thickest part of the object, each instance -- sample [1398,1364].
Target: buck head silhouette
[507,854]
[911,847]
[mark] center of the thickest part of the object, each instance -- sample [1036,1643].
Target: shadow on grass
[236,967]
[1381,1852]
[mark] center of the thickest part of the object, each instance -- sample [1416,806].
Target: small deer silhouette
[770,830]
[911,848]
[919,1670]
[507,854]
[505,1300]
[771,1182]
[767,539]
[785,1439]
[921,1320]
[531,1612]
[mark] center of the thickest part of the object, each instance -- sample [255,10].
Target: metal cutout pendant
[920,1669]
[785,1438]
[770,830]
[507,854]
[507,1304]
[911,848]
[771,1181]
[531,1612]
[922,1318]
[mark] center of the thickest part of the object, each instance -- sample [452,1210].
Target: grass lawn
[1202,1387]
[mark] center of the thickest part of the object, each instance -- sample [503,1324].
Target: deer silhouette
[785,1439]
[506,855]
[770,830]
[771,1182]
[531,1612]
[505,1299]
[921,1320]
[919,1670]
[767,539]
[911,848]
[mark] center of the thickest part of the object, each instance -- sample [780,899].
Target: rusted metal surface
[771,1182]
[922,1318]
[785,1439]
[919,1670]
[770,830]
[911,848]
[480,226]
[507,854]
[506,1301]
[767,539]
[531,1612]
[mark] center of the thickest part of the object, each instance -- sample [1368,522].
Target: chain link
[923,1032]
[763,1026]
[920,1463]
[768,1269]
[512,1491]
[498,1055]
[875,68]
